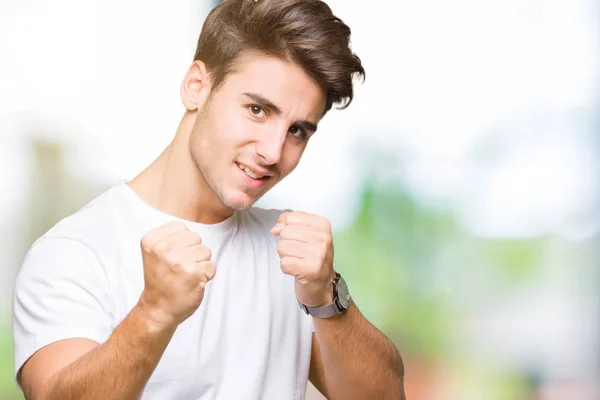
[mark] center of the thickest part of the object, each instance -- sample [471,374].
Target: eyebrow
[264,102]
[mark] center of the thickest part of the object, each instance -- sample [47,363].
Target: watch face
[343,294]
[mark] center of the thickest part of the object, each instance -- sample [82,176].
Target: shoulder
[74,242]
[91,224]
[75,246]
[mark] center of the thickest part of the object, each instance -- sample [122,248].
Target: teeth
[249,172]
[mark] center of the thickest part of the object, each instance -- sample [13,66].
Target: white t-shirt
[247,340]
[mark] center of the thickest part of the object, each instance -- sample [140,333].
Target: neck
[174,185]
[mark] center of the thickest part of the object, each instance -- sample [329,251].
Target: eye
[257,111]
[298,132]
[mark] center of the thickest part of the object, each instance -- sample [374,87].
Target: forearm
[359,361]
[119,368]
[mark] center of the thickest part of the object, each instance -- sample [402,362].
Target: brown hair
[304,32]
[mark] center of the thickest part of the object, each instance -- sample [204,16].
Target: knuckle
[286,262]
[285,231]
[211,270]
[197,239]
[280,246]
[146,242]
[207,270]
[193,237]
[189,269]
[286,270]
[206,252]
[172,258]
[286,265]
[325,237]
[161,248]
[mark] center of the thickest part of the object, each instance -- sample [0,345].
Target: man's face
[253,131]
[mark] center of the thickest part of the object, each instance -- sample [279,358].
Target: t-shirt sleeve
[61,292]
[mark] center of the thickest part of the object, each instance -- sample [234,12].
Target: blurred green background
[462,183]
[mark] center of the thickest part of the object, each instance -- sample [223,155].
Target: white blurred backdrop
[488,109]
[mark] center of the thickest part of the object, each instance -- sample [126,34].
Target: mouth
[251,173]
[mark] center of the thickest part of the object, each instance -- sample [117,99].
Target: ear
[195,87]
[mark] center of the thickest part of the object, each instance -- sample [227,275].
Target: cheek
[291,159]
[234,129]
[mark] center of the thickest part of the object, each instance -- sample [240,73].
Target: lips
[253,173]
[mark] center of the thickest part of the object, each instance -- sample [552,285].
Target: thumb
[278,227]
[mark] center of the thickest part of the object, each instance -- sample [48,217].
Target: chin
[238,201]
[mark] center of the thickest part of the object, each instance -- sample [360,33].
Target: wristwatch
[341,299]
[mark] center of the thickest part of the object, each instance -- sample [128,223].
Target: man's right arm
[84,369]
[177,268]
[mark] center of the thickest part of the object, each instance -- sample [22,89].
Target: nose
[270,145]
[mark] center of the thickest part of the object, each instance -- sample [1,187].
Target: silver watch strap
[321,312]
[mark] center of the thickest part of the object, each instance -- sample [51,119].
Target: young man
[214,305]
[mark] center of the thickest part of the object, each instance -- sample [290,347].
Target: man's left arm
[350,358]
[356,360]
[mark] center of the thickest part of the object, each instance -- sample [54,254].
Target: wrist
[321,297]
[155,318]
[326,300]
[337,301]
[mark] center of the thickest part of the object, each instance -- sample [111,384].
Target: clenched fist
[306,253]
[177,268]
